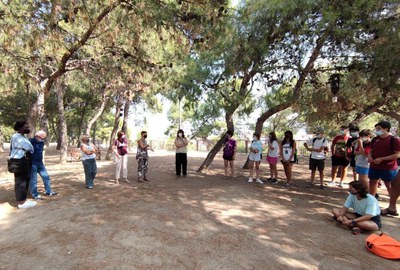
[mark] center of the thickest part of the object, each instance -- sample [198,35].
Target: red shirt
[382,147]
[340,145]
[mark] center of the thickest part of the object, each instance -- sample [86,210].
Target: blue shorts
[362,170]
[385,175]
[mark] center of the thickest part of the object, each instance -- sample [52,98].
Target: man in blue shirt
[38,166]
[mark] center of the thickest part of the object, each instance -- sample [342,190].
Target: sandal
[357,230]
[388,212]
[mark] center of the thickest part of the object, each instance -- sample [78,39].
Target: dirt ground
[198,222]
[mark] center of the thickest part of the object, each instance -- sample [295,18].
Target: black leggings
[181,163]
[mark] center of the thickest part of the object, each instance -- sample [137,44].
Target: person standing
[38,166]
[88,160]
[339,160]
[272,157]
[255,158]
[181,153]
[120,148]
[142,157]
[317,146]
[362,147]
[385,149]
[229,152]
[349,154]
[22,149]
[288,150]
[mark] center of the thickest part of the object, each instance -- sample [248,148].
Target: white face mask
[354,134]
[319,136]
[379,132]
[254,138]
[180,134]
[364,139]
[342,132]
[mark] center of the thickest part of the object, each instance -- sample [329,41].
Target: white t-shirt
[318,143]
[287,151]
[275,152]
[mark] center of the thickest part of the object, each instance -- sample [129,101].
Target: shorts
[317,163]
[385,175]
[353,162]
[362,170]
[339,161]
[272,160]
[292,161]
[226,157]
[375,219]
[255,157]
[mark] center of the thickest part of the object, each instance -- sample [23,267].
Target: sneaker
[250,180]
[287,185]
[269,179]
[321,187]
[52,194]
[259,181]
[90,187]
[126,180]
[27,204]
[38,197]
[332,184]
[274,181]
[340,186]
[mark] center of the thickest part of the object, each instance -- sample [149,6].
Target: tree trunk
[115,127]
[62,125]
[127,106]
[217,147]
[100,111]
[1,141]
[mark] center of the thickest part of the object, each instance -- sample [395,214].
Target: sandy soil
[198,222]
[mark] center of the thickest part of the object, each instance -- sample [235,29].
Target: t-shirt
[382,147]
[275,152]
[350,147]
[361,160]
[122,146]
[229,147]
[287,151]
[316,143]
[340,145]
[256,145]
[365,206]
[181,141]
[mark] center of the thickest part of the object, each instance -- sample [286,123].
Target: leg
[271,172]
[321,177]
[343,175]
[226,167]
[93,170]
[86,168]
[145,168]
[21,183]
[333,173]
[125,167]
[288,172]
[33,180]
[231,163]
[118,168]
[177,164]
[140,170]
[184,164]
[373,186]
[394,193]
[257,163]
[312,176]
[251,165]
[275,170]
[45,177]
[363,178]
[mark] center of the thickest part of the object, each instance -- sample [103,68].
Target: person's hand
[340,218]
[377,161]
[347,222]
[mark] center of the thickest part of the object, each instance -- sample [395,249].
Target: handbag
[17,165]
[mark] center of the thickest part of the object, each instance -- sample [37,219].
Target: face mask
[379,132]
[254,138]
[27,131]
[353,192]
[319,136]
[354,134]
[342,132]
[39,140]
[180,134]
[364,139]
[145,136]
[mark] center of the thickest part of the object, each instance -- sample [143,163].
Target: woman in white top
[288,150]
[88,160]
[255,158]
[272,156]
[181,153]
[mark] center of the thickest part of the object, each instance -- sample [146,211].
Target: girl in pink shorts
[272,156]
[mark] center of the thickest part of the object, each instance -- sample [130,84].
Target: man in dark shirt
[38,166]
[354,132]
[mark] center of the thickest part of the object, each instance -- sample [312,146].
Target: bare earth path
[198,222]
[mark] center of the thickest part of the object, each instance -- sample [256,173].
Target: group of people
[29,154]
[286,150]
[373,159]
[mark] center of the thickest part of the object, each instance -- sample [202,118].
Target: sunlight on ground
[295,264]
[5,211]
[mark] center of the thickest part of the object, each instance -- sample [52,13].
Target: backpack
[383,245]
[326,150]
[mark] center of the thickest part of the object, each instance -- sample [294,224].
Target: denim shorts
[385,175]
[362,170]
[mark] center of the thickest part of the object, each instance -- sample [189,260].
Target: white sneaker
[259,181]
[250,180]
[332,184]
[27,204]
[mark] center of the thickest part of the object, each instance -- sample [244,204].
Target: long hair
[272,137]
[290,139]
[361,189]
[180,131]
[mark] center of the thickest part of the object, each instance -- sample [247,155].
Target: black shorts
[227,157]
[317,164]
[353,162]
[339,161]
[376,219]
